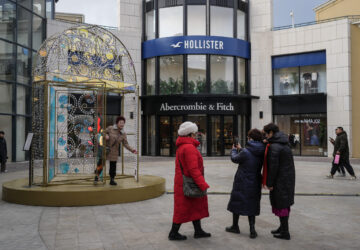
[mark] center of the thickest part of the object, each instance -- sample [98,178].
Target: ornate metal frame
[73,74]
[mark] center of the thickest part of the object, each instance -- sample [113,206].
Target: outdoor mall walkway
[326,215]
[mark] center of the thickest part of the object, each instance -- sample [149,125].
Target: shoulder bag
[190,188]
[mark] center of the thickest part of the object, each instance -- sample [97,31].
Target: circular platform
[127,190]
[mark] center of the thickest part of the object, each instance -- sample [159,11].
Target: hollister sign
[187,105]
[213,45]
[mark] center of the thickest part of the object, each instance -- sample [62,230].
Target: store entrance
[216,133]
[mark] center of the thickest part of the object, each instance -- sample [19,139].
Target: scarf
[264,174]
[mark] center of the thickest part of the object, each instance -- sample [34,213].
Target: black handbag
[190,188]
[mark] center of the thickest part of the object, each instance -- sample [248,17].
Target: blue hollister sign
[179,45]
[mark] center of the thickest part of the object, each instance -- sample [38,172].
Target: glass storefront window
[6,61]
[286,81]
[6,126]
[25,3]
[314,130]
[241,30]
[38,32]
[201,122]
[241,76]
[307,133]
[171,21]
[23,26]
[150,137]
[7,20]
[23,64]
[228,134]
[150,76]
[196,20]
[290,126]
[49,9]
[20,138]
[171,75]
[6,98]
[39,7]
[222,74]
[165,139]
[150,25]
[313,79]
[221,21]
[22,100]
[215,135]
[196,74]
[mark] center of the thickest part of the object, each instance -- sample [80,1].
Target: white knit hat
[187,128]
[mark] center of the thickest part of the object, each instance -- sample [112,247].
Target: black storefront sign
[175,105]
[299,104]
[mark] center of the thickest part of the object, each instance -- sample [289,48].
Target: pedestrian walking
[190,163]
[3,152]
[341,148]
[279,177]
[115,135]
[246,193]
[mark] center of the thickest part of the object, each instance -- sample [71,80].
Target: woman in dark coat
[279,177]
[246,192]
[188,209]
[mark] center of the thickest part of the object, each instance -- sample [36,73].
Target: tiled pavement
[316,222]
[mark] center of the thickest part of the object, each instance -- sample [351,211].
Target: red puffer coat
[189,209]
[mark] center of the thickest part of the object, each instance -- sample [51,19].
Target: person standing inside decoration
[246,192]
[187,208]
[3,152]
[341,148]
[279,177]
[115,135]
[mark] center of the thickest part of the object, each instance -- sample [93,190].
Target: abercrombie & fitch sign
[175,105]
[219,106]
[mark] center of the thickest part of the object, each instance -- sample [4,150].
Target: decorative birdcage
[73,74]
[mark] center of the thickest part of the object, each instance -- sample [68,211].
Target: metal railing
[355,18]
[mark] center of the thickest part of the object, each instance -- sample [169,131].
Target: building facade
[304,78]
[195,57]
[194,62]
[22,30]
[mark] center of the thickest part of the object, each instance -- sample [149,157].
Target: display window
[313,79]
[286,81]
[307,133]
[300,80]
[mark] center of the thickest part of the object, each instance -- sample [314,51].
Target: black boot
[199,232]
[112,182]
[174,233]
[277,231]
[235,226]
[253,233]
[284,229]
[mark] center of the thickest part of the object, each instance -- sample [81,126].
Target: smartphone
[236,141]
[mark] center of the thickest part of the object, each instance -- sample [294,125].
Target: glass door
[228,134]
[201,122]
[216,135]
[175,124]
[165,138]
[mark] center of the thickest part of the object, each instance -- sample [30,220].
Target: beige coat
[116,137]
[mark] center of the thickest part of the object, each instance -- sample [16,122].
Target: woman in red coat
[185,208]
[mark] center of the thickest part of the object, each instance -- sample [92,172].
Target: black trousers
[345,163]
[112,170]
[3,166]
